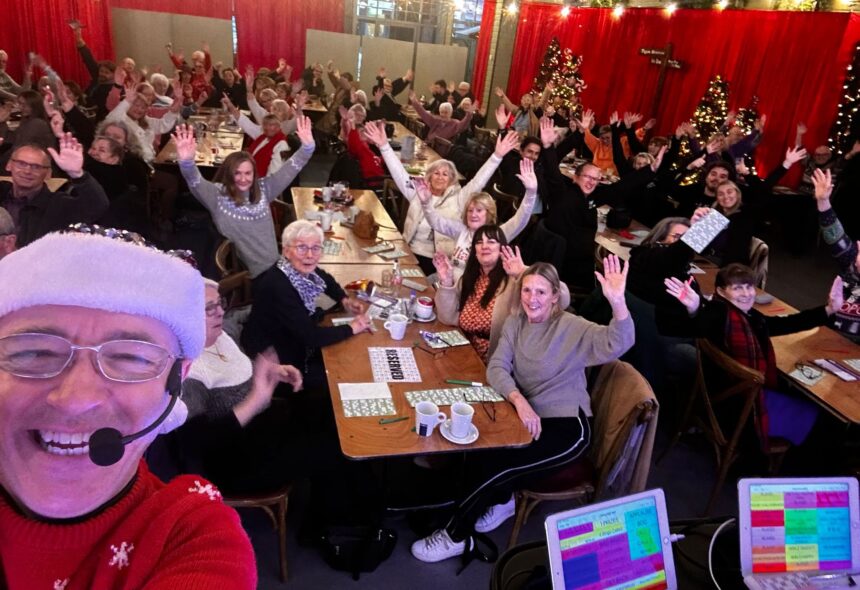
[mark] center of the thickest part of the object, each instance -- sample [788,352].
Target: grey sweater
[546,362]
[249,227]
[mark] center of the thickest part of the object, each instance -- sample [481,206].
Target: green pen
[461,382]
[393,420]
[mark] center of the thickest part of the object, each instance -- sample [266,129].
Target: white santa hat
[111,270]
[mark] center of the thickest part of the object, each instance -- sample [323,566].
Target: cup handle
[387,325]
[441,417]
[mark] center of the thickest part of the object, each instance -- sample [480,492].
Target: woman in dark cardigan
[731,323]
[285,315]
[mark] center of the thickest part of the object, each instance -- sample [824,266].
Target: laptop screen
[799,526]
[613,547]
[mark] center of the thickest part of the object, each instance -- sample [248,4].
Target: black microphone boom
[107,445]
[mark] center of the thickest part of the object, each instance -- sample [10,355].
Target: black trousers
[493,476]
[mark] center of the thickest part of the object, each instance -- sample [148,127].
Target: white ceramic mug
[461,419]
[396,325]
[423,308]
[427,416]
[327,194]
[325,220]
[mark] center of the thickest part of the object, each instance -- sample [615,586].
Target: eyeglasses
[490,414]
[43,356]
[807,371]
[212,308]
[29,165]
[302,249]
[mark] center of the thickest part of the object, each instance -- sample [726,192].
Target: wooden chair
[236,288]
[283,214]
[742,387]
[506,204]
[486,137]
[442,146]
[419,129]
[759,254]
[625,423]
[226,260]
[275,505]
[394,203]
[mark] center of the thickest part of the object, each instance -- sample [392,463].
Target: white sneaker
[495,516]
[437,547]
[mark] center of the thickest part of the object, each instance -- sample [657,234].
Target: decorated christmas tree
[747,116]
[845,129]
[561,68]
[713,108]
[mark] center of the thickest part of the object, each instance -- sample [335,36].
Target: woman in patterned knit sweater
[480,301]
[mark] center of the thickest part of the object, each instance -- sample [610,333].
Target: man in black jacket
[37,211]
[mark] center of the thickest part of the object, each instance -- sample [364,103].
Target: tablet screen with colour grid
[798,525]
[621,544]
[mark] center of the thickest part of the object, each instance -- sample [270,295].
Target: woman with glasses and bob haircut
[731,323]
[539,368]
[285,313]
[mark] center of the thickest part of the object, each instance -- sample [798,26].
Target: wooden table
[352,253]
[53,183]
[424,154]
[211,149]
[614,243]
[365,437]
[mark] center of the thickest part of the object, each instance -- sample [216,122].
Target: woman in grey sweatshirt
[539,367]
[238,200]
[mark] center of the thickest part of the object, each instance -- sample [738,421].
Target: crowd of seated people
[516,314]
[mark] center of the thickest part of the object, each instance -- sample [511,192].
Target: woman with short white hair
[287,312]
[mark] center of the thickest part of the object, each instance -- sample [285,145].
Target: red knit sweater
[158,536]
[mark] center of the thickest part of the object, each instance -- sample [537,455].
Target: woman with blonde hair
[448,197]
[479,211]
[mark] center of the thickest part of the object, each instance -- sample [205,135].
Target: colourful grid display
[798,528]
[616,548]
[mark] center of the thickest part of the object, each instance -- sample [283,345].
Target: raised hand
[375,132]
[412,96]
[512,261]
[822,180]
[499,92]
[186,144]
[697,163]
[714,146]
[5,112]
[230,107]
[422,191]
[502,116]
[527,175]
[548,132]
[67,101]
[613,281]
[793,156]
[57,124]
[587,119]
[444,269]
[760,122]
[634,118]
[70,158]
[801,128]
[683,292]
[203,97]
[741,168]
[378,94]
[506,144]
[380,73]
[119,76]
[649,124]
[699,213]
[409,75]
[304,129]
[836,297]
[613,118]
[658,159]
[249,78]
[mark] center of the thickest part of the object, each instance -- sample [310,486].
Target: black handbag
[356,549]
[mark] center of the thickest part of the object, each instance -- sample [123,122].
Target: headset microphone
[107,445]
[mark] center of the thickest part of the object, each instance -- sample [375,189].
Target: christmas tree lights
[561,68]
[844,130]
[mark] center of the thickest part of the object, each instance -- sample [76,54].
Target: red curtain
[210,8]
[482,54]
[40,26]
[795,62]
[271,29]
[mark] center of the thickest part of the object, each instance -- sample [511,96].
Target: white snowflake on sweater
[120,555]
[61,584]
[208,489]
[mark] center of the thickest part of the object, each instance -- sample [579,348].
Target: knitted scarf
[263,155]
[744,347]
[308,286]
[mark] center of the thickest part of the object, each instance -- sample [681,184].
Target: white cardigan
[146,137]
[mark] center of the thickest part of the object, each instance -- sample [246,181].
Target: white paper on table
[354,391]
[705,230]
[695,270]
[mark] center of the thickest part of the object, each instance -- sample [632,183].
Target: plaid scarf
[744,347]
[309,286]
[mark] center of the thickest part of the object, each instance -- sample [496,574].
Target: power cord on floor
[711,550]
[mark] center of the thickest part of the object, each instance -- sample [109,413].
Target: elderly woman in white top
[448,197]
[132,112]
[480,211]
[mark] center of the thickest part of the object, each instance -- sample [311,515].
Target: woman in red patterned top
[483,298]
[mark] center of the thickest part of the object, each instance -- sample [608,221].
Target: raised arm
[444,225]
[186,149]
[485,173]
[516,224]
[249,127]
[512,108]
[375,132]
[280,180]
[428,118]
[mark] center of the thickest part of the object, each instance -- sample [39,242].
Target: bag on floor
[356,549]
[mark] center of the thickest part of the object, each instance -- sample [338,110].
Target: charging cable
[711,551]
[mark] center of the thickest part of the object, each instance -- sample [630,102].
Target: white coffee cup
[327,194]
[423,308]
[461,419]
[396,325]
[427,416]
[325,220]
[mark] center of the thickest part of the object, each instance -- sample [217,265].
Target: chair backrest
[506,203]
[720,379]
[759,254]
[485,137]
[544,245]
[442,146]
[236,288]
[226,260]
[283,214]
[625,423]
